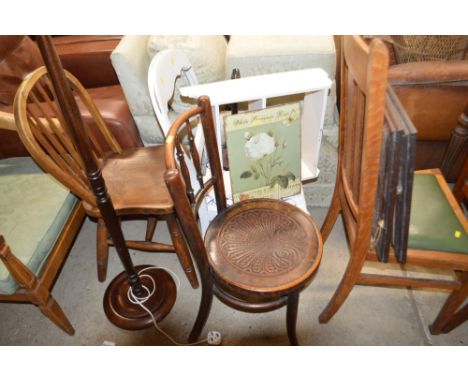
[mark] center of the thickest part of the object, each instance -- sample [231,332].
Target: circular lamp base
[127,315]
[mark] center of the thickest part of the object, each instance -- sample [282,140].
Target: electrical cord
[213,337]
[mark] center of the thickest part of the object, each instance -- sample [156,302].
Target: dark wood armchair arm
[460,190]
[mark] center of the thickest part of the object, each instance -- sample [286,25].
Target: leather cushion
[113,107]
[76,53]
[19,56]
[433,224]
[34,208]
[433,94]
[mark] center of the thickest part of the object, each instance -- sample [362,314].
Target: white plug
[214,338]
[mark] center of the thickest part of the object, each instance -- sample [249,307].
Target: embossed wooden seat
[133,177]
[257,255]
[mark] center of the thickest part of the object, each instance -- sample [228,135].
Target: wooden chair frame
[45,134]
[235,292]
[364,83]
[37,289]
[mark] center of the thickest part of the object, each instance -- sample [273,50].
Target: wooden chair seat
[146,193]
[263,246]
[433,202]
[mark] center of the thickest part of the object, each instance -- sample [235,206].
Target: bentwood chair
[438,233]
[257,255]
[133,177]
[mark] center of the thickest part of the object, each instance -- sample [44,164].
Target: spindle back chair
[44,132]
[134,177]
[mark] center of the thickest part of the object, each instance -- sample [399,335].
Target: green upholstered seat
[433,224]
[34,207]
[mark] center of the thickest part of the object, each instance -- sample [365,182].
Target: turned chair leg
[332,214]
[150,228]
[447,319]
[102,250]
[291,316]
[204,310]
[182,251]
[350,277]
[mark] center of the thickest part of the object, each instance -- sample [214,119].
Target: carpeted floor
[370,316]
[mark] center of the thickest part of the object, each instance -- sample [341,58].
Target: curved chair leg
[443,322]
[458,318]
[52,310]
[291,316]
[332,214]
[204,310]
[182,251]
[150,228]
[350,277]
[102,250]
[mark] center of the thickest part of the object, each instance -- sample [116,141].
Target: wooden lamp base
[127,315]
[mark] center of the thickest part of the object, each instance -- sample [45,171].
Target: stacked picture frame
[395,182]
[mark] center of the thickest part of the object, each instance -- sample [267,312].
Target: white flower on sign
[266,151]
[259,145]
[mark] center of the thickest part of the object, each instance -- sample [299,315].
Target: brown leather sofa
[435,95]
[86,57]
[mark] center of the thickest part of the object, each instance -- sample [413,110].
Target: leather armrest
[110,102]
[88,58]
[453,73]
